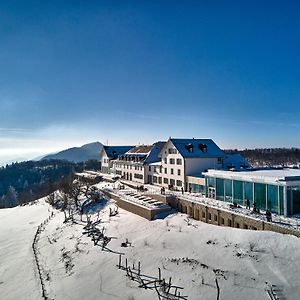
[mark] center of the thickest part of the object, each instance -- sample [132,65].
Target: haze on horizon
[133,72]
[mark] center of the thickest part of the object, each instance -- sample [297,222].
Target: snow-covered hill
[192,254]
[78,154]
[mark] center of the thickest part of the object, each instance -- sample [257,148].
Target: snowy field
[192,254]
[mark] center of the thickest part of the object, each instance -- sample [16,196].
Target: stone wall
[220,217]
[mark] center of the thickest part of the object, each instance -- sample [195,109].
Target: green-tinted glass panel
[211,181]
[289,200]
[272,201]
[238,192]
[281,201]
[206,186]
[248,186]
[295,197]
[220,189]
[260,195]
[228,190]
[196,188]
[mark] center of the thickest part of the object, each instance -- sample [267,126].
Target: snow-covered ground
[193,255]
[18,274]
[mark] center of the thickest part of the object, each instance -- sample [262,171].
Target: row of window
[156,169]
[156,179]
[129,167]
[165,170]
[172,161]
[172,151]
[172,171]
[138,176]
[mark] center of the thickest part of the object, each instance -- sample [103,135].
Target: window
[172,151]
[216,218]
[203,147]
[178,161]
[220,160]
[178,172]
[172,161]
[149,168]
[172,171]
[165,160]
[209,216]
[172,181]
[166,171]
[138,176]
[178,182]
[166,181]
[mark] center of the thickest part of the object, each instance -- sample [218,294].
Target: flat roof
[273,175]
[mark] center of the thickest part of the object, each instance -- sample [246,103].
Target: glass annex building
[275,190]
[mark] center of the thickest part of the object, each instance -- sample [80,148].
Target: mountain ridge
[78,154]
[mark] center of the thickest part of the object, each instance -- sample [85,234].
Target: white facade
[108,155]
[173,167]
[105,165]
[181,158]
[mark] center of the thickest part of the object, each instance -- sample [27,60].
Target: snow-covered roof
[114,151]
[270,176]
[145,154]
[197,148]
[157,163]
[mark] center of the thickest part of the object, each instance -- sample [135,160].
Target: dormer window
[189,148]
[203,147]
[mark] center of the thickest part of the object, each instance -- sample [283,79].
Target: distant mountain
[78,154]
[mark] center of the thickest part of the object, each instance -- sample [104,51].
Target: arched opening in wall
[196,214]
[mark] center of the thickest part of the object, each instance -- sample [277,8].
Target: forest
[261,157]
[26,181]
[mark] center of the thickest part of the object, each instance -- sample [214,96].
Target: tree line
[27,181]
[270,156]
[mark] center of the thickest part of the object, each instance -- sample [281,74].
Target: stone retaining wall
[144,212]
[221,217]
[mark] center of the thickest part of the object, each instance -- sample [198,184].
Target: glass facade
[281,200]
[220,189]
[196,188]
[293,199]
[266,196]
[238,193]
[260,195]
[228,190]
[272,198]
[248,192]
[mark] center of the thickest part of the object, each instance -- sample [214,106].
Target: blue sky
[139,71]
